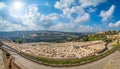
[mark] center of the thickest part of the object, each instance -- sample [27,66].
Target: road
[27,64]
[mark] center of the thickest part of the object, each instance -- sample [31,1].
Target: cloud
[117,24]
[87,3]
[31,20]
[91,10]
[68,8]
[82,18]
[72,27]
[63,4]
[84,28]
[107,14]
[111,25]
[6,25]
[72,17]
[82,15]
[65,7]
[31,17]
[63,27]
[34,19]
[47,21]
[2,5]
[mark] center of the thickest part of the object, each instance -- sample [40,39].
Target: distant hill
[40,36]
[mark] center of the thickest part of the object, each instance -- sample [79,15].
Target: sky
[60,15]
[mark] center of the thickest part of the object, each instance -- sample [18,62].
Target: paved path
[95,65]
[114,62]
[1,61]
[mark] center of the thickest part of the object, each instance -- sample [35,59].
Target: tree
[19,40]
[112,32]
[108,40]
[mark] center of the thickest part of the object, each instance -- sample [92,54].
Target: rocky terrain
[66,50]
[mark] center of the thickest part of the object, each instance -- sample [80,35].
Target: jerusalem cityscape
[59,34]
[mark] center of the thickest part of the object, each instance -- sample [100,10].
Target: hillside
[39,36]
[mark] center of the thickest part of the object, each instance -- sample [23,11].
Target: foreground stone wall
[1,61]
[10,63]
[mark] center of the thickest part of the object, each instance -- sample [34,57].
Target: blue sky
[60,15]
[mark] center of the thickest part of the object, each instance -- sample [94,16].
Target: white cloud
[2,5]
[111,25]
[82,18]
[63,4]
[68,8]
[67,12]
[107,14]
[82,14]
[64,27]
[52,16]
[33,8]
[84,28]
[91,10]
[87,3]
[47,21]
[72,27]
[117,24]
[59,26]
[65,7]
[33,19]
[6,25]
